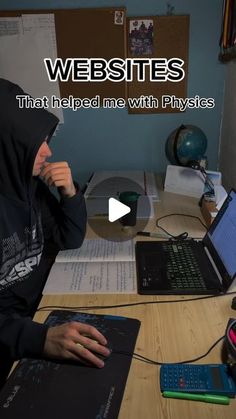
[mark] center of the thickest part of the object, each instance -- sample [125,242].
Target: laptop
[207,266]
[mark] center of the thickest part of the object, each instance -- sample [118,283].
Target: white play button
[116,210]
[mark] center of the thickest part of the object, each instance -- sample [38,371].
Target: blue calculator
[197,378]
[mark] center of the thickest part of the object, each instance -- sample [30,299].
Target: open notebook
[99,266]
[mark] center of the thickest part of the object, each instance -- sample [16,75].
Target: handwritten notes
[100,266]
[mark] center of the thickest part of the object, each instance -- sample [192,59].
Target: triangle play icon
[116,210]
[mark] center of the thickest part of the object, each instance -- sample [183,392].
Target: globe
[184,144]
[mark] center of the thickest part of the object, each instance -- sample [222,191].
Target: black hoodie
[32,223]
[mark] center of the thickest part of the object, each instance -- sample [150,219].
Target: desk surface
[170,332]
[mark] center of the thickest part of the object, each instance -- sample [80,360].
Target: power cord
[182,236]
[140,303]
[152,362]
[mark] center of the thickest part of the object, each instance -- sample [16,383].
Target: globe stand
[186,146]
[208,182]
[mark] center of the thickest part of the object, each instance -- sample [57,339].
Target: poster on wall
[141,37]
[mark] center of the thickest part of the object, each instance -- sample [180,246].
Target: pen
[208,398]
[101,214]
[147,234]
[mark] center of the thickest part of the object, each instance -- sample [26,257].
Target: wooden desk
[170,332]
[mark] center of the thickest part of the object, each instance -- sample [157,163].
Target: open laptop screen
[222,234]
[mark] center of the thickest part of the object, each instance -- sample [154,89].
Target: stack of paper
[117,179]
[186,181]
[99,266]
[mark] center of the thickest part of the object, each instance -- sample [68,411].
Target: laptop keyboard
[182,267]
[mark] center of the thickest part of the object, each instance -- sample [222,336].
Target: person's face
[44,152]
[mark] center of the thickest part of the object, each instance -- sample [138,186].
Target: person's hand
[59,174]
[76,341]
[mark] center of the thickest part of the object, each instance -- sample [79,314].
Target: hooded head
[22,131]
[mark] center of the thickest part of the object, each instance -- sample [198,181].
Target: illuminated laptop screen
[223,235]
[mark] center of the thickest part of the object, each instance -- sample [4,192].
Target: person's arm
[67,222]
[64,222]
[21,337]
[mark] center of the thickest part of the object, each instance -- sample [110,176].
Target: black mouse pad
[45,389]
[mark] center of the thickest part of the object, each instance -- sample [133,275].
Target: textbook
[99,266]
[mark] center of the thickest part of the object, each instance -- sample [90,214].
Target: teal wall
[113,139]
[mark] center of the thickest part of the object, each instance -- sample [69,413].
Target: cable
[194,164]
[140,303]
[208,182]
[183,235]
[152,362]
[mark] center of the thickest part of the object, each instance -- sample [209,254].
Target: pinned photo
[141,37]
[119,17]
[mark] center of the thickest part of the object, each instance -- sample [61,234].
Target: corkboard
[170,40]
[89,33]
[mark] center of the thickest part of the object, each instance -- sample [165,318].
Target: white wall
[227,160]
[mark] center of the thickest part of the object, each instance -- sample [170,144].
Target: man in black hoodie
[34,225]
